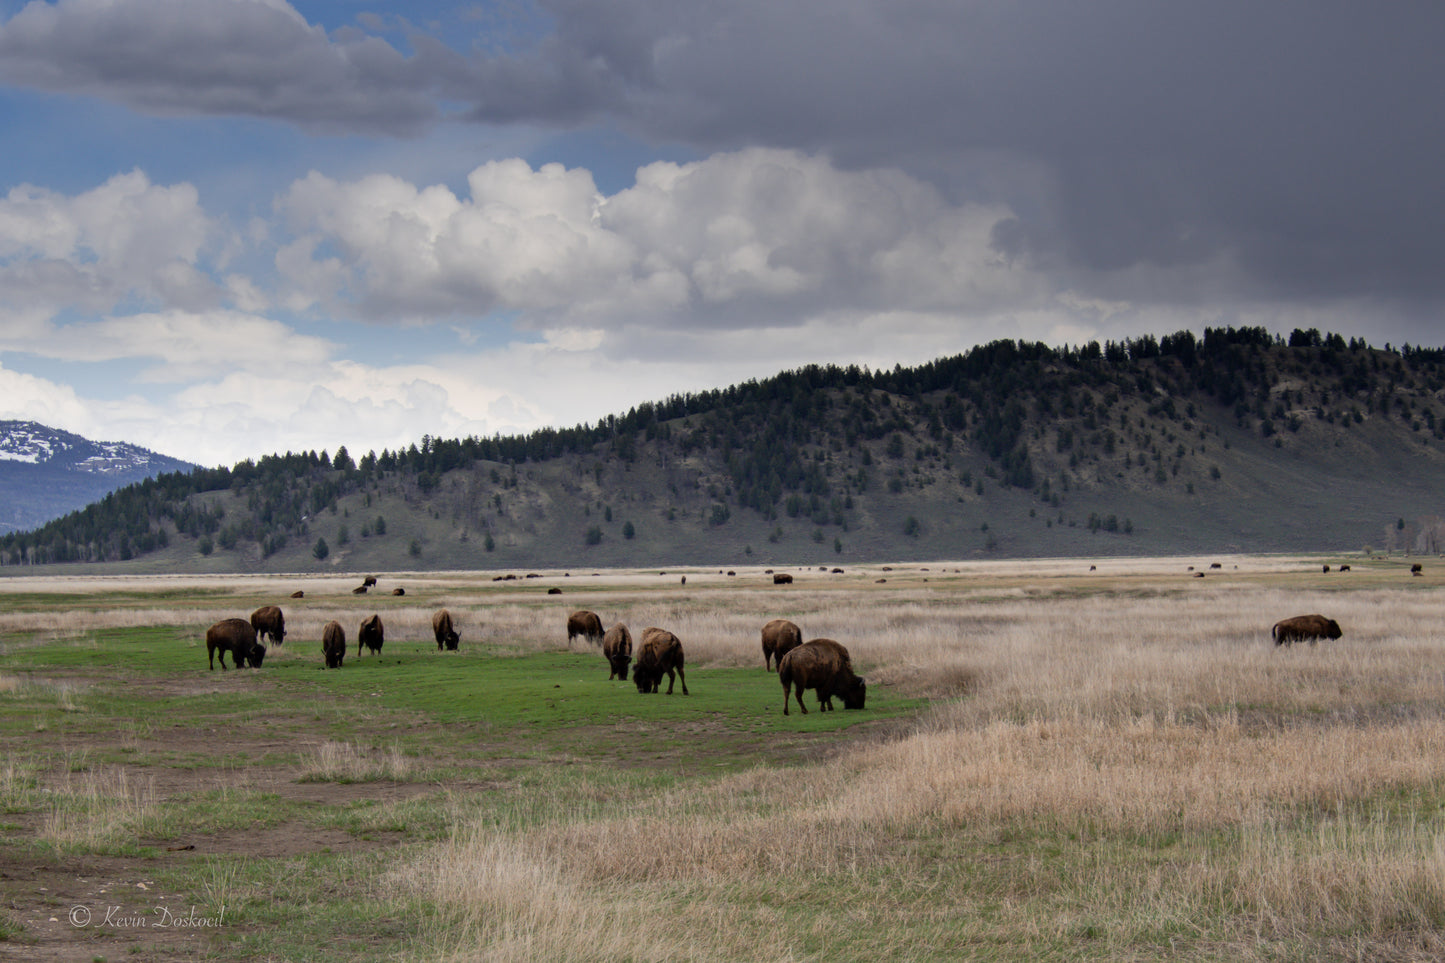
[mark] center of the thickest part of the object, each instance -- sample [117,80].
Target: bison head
[453,640]
[620,664]
[854,693]
[645,678]
[1332,629]
[255,656]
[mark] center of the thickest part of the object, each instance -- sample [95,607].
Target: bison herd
[822,665]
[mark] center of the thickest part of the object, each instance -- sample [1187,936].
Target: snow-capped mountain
[45,472]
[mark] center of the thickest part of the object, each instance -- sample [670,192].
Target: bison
[371,635]
[1417,569]
[398,591]
[446,635]
[779,638]
[1344,568]
[823,666]
[333,644]
[298,594]
[369,581]
[659,654]
[782,578]
[586,624]
[617,647]
[359,590]
[237,637]
[1305,627]
[268,621]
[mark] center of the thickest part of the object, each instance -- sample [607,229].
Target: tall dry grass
[1127,713]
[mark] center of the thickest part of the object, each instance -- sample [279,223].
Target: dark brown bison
[554,590]
[779,638]
[298,594]
[237,637]
[398,591]
[823,666]
[268,621]
[333,644]
[659,654]
[371,635]
[586,624]
[1215,565]
[1302,628]
[1417,569]
[1326,570]
[369,581]
[359,590]
[617,647]
[782,578]
[446,635]
[1344,568]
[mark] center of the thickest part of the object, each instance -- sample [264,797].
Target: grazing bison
[268,621]
[1305,627]
[298,594]
[1326,570]
[235,636]
[441,626]
[369,581]
[371,635]
[823,666]
[659,654]
[617,647]
[779,638]
[333,644]
[1344,568]
[782,578]
[586,624]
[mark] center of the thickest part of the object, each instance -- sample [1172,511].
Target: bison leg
[681,675]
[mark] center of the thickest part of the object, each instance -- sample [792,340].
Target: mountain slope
[46,473]
[1239,441]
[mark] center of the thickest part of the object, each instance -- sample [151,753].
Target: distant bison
[441,626]
[554,590]
[237,637]
[1417,569]
[779,638]
[659,654]
[1326,570]
[782,578]
[371,635]
[823,666]
[333,644]
[268,621]
[298,594]
[359,590]
[1302,628]
[586,624]
[617,648]
[1215,565]
[1344,568]
[369,581]
[398,591]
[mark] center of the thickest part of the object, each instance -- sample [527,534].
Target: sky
[231,228]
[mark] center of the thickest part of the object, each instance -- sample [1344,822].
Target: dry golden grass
[97,809]
[344,762]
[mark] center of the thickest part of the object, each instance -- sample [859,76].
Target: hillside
[46,473]
[1238,441]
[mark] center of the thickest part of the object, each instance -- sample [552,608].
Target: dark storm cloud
[1295,144]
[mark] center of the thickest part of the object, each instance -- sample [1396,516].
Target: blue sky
[236,227]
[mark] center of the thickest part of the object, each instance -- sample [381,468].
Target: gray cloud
[1178,153]
[254,58]
[1294,142]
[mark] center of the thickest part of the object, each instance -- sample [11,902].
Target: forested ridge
[823,447]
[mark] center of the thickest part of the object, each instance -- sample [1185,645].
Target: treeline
[773,438]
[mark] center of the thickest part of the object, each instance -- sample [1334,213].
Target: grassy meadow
[1056,762]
